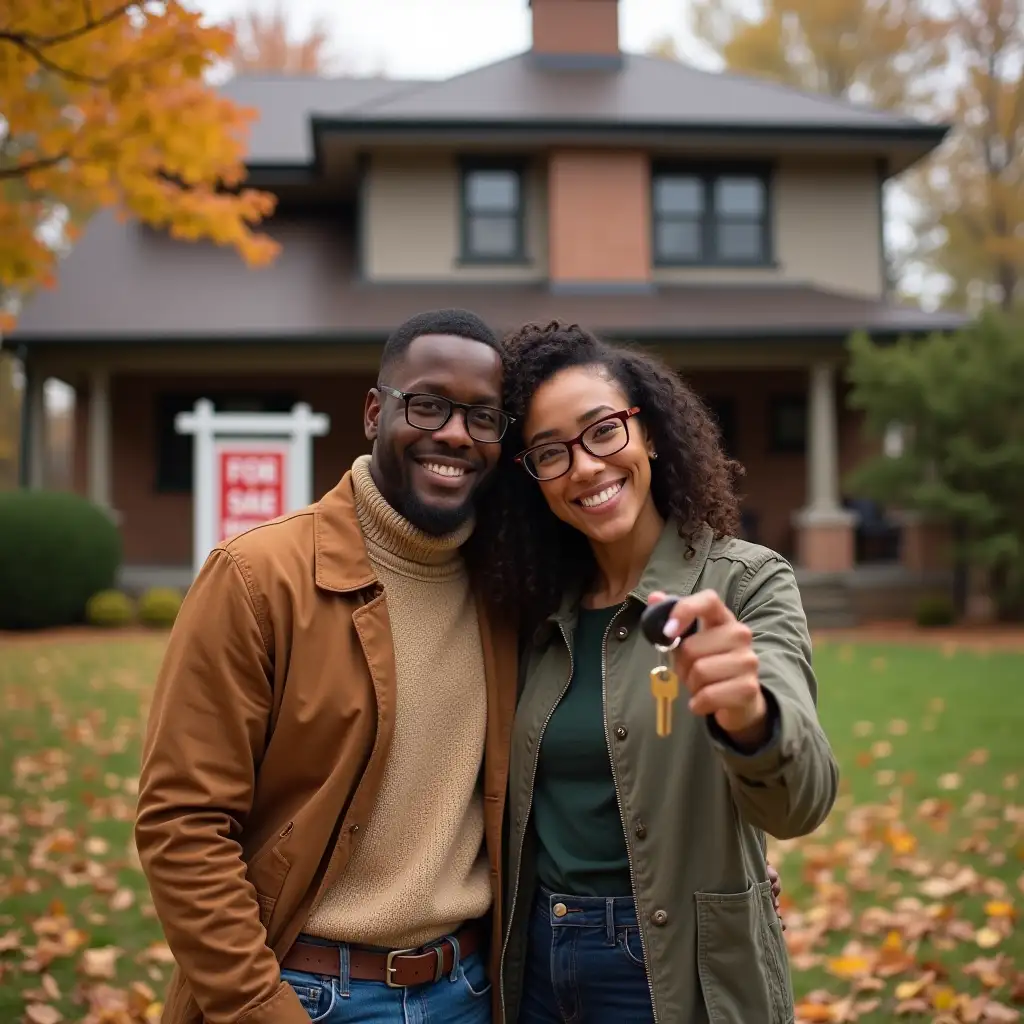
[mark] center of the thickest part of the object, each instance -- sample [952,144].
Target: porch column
[33,426]
[98,454]
[825,531]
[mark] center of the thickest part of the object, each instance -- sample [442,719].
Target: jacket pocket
[739,963]
[267,875]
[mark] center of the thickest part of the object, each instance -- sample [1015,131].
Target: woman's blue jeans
[584,964]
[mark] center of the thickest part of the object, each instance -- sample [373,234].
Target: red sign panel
[251,490]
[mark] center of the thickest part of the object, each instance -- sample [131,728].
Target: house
[732,224]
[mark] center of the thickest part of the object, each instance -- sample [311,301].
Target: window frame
[708,175]
[469,166]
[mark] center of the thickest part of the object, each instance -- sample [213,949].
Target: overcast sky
[438,38]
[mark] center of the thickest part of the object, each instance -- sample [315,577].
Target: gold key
[665,687]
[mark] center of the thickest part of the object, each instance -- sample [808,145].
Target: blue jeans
[584,965]
[460,997]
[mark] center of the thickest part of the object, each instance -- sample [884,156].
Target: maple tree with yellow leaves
[105,104]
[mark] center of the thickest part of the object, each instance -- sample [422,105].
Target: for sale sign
[248,467]
[252,487]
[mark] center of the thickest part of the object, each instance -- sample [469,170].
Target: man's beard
[430,519]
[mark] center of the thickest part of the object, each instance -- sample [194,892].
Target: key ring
[663,649]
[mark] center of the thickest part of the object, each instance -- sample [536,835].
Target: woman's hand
[773,877]
[718,666]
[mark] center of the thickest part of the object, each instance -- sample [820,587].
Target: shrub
[56,551]
[110,609]
[159,607]
[936,610]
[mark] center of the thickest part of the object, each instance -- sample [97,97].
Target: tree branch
[22,42]
[20,170]
[91,24]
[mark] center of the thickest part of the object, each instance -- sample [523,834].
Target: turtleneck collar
[394,541]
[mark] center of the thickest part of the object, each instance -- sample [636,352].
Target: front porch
[780,408]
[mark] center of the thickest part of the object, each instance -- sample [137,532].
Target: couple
[401,762]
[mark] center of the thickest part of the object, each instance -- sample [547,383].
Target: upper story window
[711,218]
[492,214]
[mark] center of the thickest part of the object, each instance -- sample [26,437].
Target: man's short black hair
[459,322]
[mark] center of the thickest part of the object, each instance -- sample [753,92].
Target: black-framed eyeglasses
[552,459]
[432,412]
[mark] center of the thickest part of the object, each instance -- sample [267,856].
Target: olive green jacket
[694,809]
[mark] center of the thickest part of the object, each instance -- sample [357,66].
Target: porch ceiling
[127,284]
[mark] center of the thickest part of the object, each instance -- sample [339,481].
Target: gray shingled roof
[645,93]
[127,283]
[284,134]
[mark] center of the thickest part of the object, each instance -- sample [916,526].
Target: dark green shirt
[581,848]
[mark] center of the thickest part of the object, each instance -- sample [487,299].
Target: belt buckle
[389,968]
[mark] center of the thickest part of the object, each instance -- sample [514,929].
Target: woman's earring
[653,456]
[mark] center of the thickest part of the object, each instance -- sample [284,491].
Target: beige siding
[826,229]
[411,222]
[825,226]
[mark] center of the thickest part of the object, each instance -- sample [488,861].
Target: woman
[637,883]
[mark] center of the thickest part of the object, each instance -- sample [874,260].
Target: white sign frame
[210,428]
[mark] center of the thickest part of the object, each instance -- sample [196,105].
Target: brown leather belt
[399,968]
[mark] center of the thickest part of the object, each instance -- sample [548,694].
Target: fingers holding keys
[718,665]
[773,877]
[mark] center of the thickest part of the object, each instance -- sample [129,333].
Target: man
[311,789]
[323,785]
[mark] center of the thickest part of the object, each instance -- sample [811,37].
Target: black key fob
[653,619]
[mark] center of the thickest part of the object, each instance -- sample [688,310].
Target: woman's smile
[603,497]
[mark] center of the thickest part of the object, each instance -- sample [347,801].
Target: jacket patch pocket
[738,960]
[267,876]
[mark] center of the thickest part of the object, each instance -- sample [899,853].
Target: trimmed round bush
[109,609]
[159,607]
[56,551]
[934,611]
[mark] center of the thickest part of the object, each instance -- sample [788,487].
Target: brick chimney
[576,34]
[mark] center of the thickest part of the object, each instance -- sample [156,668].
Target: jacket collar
[671,568]
[340,560]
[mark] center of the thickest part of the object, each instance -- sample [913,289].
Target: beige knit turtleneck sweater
[420,870]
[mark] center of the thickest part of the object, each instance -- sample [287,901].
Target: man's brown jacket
[267,738]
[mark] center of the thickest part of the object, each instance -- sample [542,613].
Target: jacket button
[659,918]
[622,632]
[559,910]
[641,833]
[621,732]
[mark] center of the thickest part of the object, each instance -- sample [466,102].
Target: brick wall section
[599,218]
[576,27]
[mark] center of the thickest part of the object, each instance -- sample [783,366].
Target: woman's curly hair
[524,555]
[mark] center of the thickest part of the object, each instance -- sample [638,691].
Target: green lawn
[906,900]
[917,875]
